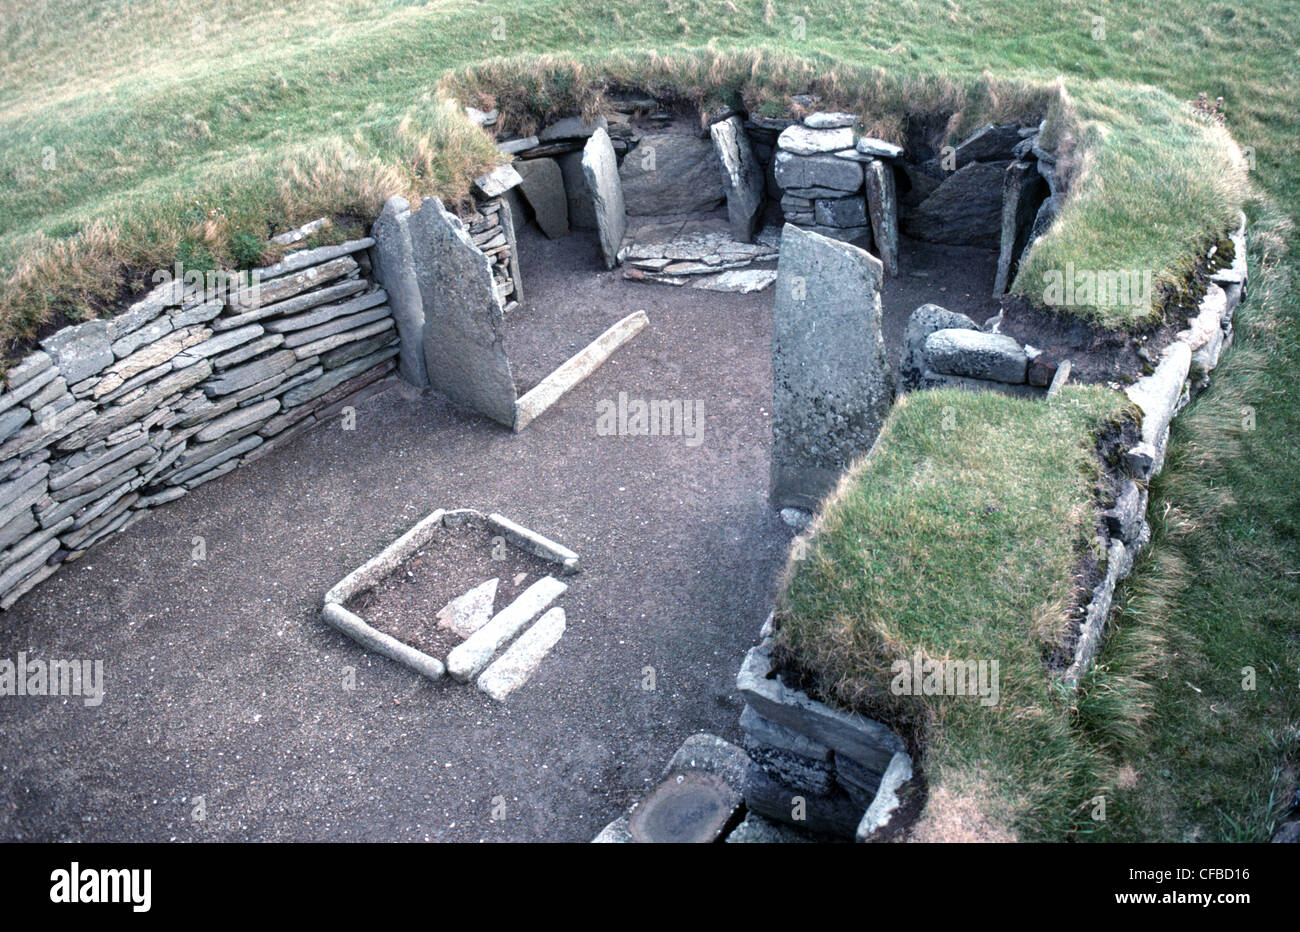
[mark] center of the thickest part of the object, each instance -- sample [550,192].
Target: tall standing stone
[742,177]
[831,382]
[393,266]
[600,169]
[543,188]
[882,205]
[464,322]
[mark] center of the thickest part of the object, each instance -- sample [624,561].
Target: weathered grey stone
[335,377]
[805,140]
[861,739]
[882,205]
[572,128]
[888,799]
[334,358]
[155,330]
[710,754]
[515,146]
[83,463]
[1124,519]
[831,814]
[508,225]
[298,234]
[1160,396]
[976,355]
[878,148]
[246,352]
[924,321]
[47,430]
[822,120]
[766,732]
[989,143]
[965,210]
[154,359]
[105,474]
[669,173]
[498,181]
[832,386]
[80,351]
[1019,208]
[201,469]
[464,348]
[841,212]
[216,345]
[261,294]
[55,390]
[543,188]
[600,169]
[334,341]
[742,177]
[232,380]
[737,281]
[293,305]
[239,418]
[12,420]
[482,117]
[755,829]
[198,314]
[393,267]
[582,210]
[860,783]
[1043,219]
[297,338]
[325,314]
[305,258]
[167,294]
[818,171]
[32,365]
[18,528]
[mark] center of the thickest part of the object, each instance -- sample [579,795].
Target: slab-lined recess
[473,654]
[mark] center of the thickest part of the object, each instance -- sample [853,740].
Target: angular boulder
[924,321]
[965,210]
[817,171]
[670,173]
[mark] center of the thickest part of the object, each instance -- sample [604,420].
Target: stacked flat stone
[491,227]
[112,417]
[837,184]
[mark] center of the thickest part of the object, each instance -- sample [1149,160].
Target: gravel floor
[223,684]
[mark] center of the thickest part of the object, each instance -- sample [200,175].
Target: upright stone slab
[600,169]
[882,205]
[742,177]
[831,383]
[543,188]
[393,266]
[1021,196]
[464,322]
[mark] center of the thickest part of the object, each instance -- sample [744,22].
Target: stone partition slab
[832,386]
[464,320]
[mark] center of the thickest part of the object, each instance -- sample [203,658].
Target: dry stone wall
[113,417]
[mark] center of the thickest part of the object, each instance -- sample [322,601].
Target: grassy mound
[959,538]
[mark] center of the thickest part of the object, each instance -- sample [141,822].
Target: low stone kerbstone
[976,355]
[863,740]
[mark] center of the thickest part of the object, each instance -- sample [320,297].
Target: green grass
[959,538]
[165,140]
[216,120]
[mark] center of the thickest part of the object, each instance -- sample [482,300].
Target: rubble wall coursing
[112,417]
